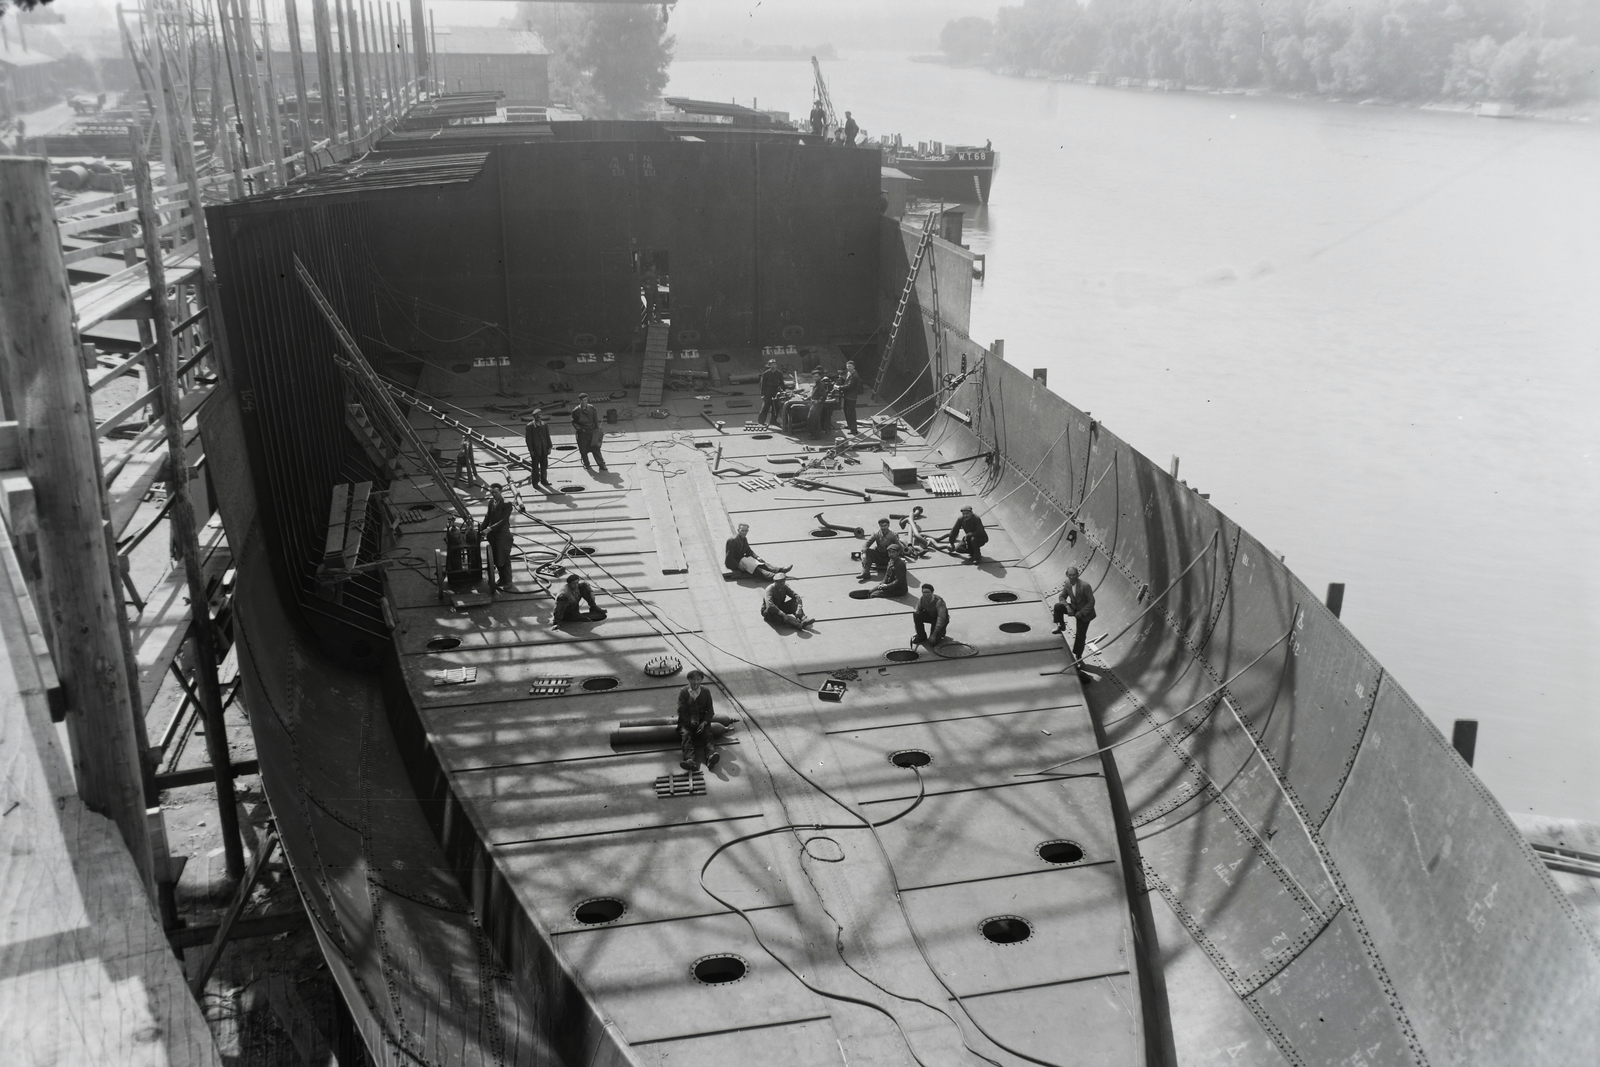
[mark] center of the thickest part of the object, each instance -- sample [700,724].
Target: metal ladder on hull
[905,300]
[500,452]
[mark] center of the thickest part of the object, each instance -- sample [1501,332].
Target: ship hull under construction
[1230,838]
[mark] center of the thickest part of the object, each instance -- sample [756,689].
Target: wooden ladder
[654,374]
[905,299]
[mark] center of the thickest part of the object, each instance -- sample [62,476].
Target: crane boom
[822,94]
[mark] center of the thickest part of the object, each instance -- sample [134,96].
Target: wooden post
[1173,470]
[292,15]
[1464,739]
[419,44]
[50,391]
[327,90]
[352,127]
[386,36]
[274,103]
[182,519]
[1335,600]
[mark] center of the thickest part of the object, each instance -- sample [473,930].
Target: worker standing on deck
[875,553]
[497,531]
[849,388]
[782,604]
[740,558]
[819,119]
[969,536]
[894,576]
[771,386]
[586,428]
[694,724]
[537,435]
[931,618]
[1076,600]
[819,415]
[576,591]
[850,130]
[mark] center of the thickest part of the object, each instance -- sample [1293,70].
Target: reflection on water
[1373,335]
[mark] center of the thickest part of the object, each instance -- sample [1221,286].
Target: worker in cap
[894,575]
[850,386]
[782,604]
[1076,600]
[931,618]
[586,428]
[497,531]
[740,558]
[875,553]
[573,593]
[771,386]
[537,435]
[694,724]
[968,536]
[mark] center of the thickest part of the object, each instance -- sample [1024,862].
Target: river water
[1372,334]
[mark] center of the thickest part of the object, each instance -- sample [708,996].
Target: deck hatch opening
[556,364]
[1062,851]
[579,550]
[443,644]
[910,757]
[824,533]
[902,655]
[600,685]
[1015,627]
[761,437]
[571,488]
[460,368]
[719,969]
[424,506]
[599,910]
[1006,929]
[720,357]
[566,448]
[1002,596]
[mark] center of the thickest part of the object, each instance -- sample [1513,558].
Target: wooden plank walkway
[86,974]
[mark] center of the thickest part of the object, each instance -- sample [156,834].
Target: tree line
[1533,52]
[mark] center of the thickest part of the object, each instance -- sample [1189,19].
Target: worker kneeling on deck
[930,614]
[1076,600]
[782,604]
[875,553]
[739,558]
[969,536]
[894,577]
[694,724]
[576,591]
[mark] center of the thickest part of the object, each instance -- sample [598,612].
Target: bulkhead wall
[1345,874]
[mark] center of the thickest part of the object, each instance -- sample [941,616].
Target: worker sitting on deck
[694,724]
[930,612]
[894,577]
[1077,600]
[739,558]
[875,553]
[969,536]
[497,531]
[782,604]
[771,386]
[574,592]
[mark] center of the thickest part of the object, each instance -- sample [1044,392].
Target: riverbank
[1585,111]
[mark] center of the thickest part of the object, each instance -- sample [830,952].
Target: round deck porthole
[600,685]
[719,969]
[443,644]
[720,357]
[579,550]
[571,488]
[761,437]
[1015,627]
[556,364]
[824,532]
[910,757]
[598,911]
[1002,596]
[1062,851]
[424,506]
[902,655]
[1006,929]
[461,368]
[566,448]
